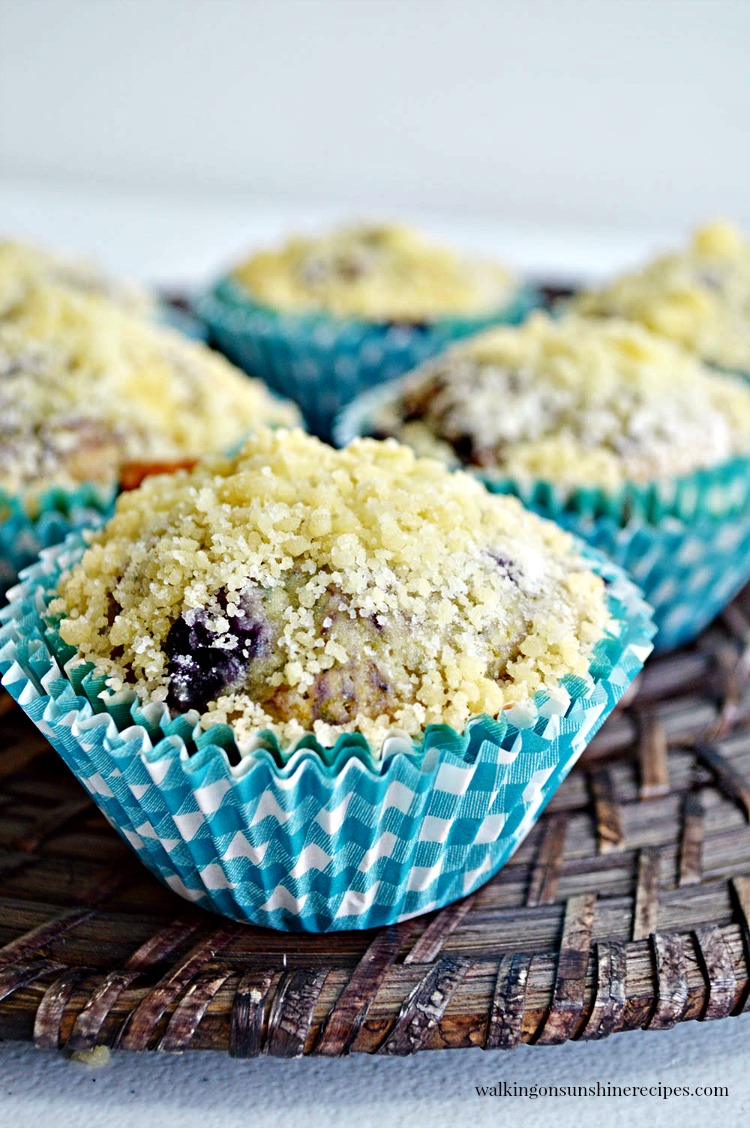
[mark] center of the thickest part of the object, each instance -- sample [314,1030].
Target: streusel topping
[699,297]
[23,265]
[379,273]
[85,387]
[573,401]
[298,588]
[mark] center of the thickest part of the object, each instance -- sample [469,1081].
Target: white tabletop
[185,240]
[439,1089]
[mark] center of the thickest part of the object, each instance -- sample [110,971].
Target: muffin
[617,433]
[699,297]
[322,318]
[355,678]
[23,265]
[86,388]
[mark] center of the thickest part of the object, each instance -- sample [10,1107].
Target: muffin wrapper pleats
[323,362]
[26,529]
[685,542]
[327,839]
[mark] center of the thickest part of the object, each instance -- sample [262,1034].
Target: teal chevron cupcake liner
[321,839]
[323,362]
[712,491]
[26,527]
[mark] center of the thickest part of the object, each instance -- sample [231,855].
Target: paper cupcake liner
[714,491]
[26,529]
[330,839]
[323,362]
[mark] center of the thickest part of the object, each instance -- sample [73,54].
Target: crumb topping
[85,387]
[573,401]
[23,265]
[301,589]
[380,273]
[699,297]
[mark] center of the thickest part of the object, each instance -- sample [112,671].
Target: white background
[603,112]
[573,136]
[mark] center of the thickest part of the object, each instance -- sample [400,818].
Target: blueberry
[503,563]
[203,661]
[464,447]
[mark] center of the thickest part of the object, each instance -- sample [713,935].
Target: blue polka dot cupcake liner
[685,541]
[323,362]
[314,839]
[28,525]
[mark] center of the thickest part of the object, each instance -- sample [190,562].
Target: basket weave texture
[628,906]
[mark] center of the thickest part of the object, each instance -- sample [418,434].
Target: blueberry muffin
[86,389]
[616,433]
[580,403]
[297,589]
[698,297]
[316,689]
[322,318]
[23,265]
[377,273]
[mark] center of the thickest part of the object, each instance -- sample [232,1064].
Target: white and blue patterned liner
[321,839]
[323,362]
[26,529]
[686,543]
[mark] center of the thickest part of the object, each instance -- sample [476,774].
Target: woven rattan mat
[627,906]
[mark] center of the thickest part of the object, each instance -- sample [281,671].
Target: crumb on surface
[302,589]
[385,272]
[572,401]
[99,1057]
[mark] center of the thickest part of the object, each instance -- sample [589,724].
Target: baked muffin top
[296,588]
[377,272]
[85,387]
[23,265]
[699,297]
[573,401]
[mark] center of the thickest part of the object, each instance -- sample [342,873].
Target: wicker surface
[626,907]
